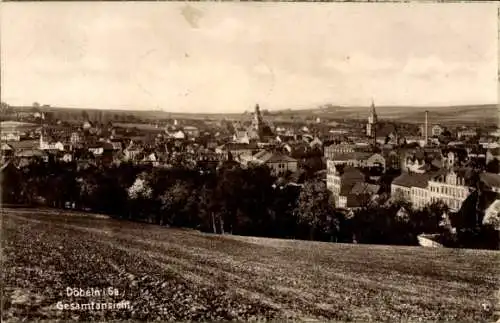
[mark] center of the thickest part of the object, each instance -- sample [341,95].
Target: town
[449,169]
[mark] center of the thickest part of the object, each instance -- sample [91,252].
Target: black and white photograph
[249,161]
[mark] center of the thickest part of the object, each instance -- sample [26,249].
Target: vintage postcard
[256,161]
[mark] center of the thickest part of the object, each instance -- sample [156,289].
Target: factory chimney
[426,129]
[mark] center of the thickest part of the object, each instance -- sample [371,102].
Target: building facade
[331,151]
[422,189]
[449,188]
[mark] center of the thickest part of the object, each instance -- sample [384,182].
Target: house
[24,145]
[75,138]
[437,130]
[191,131]
[495,133]
[67,158]
[392,159]
[132,152]
[151,158]
[178,134]
[237,150]
[297,149]
[476,153]
[115,145]
[491,181]
[10,136]
[415,162]
[279,163]
[6,149]
[316,143]
[360,195]
[466,133]
[285,138]
[87,125]
[337,149]
[28,156]
[48,143]
[100,148]
[341,181]
[492,154]
[360,159]
[241,137]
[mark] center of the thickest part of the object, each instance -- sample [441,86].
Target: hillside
[438,114]
[172,274]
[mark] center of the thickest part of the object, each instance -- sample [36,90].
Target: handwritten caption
[90,300]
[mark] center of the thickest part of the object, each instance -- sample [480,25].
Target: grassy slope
[180,275]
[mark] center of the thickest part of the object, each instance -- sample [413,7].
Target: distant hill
[437,114]
[478,113]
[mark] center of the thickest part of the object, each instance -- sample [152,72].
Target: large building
[422,189]
[348,186]
[331,151]
[449,188]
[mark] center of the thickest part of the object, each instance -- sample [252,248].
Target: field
[487,113]
[182,275]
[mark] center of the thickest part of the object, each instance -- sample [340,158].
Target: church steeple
[371,126]
[257,119]
[373,114]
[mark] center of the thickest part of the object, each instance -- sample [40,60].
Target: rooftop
[353,156]
[413,180]
[365,188]
[490,179]
[24,144]
[31,153]
[273,157]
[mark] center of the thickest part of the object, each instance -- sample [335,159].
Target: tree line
[230,200]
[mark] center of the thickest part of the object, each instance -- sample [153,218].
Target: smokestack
[426,127]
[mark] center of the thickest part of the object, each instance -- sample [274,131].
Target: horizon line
[318,107]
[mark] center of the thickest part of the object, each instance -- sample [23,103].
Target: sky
[226,57]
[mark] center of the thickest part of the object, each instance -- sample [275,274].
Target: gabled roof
[494,151]
[279,157]
[351,172]
[365,188]
[6,146]
[260,154]
[273,157]
[25,144]
[490,179]
[298,176]
[189,128]
[412,180]
[356,200]
[7,165]
[116,145]
[353,156]
[239,146]
[31,153]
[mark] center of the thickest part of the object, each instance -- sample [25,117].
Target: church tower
[371,126]
[257,120]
